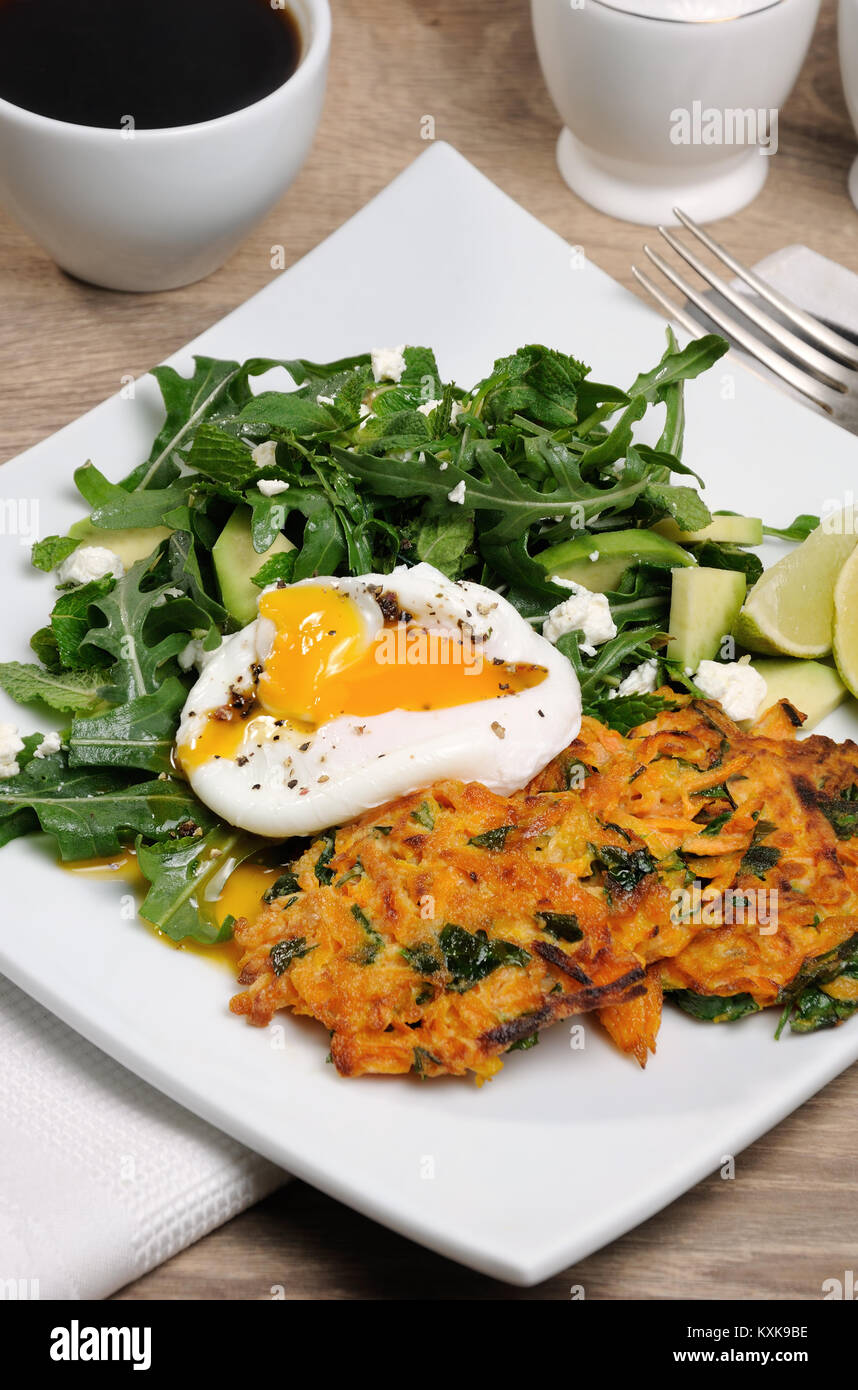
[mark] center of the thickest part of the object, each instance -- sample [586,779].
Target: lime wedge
[790,610]
[846,623]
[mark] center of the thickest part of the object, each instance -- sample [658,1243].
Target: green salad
[533,475]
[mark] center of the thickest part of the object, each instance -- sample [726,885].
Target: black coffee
[157,62]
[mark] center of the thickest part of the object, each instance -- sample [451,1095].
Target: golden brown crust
[439,930]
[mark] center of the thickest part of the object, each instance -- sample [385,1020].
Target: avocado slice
[704,605]
[731,530]
[617,550]
[236,562]
[810,686]
[135,543]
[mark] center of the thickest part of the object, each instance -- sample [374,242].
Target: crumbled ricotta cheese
[584,611]
[738,688]
[458,493]
[194,654]
[594,555]
[456,410]
[272,487]
[265,455]
[51,743]
[365,412]
[640,681]
[388,364]
[11,744]
[89,562]
[324,400]
[428,406]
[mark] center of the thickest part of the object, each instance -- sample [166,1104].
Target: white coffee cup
[669,102]
[847,39]
[155,209]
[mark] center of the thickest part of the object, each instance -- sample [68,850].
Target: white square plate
[566,1149]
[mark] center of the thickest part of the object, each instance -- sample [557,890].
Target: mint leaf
[70,692]
[445,542]
[628,711]
[70,622]
[222,458]
[688,510]
[279,566]
[50,552]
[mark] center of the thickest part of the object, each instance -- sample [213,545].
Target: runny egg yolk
[323,664]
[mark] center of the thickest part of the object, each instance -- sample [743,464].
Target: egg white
[352,764]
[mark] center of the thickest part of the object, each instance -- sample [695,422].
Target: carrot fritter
[435,934]
[443,929]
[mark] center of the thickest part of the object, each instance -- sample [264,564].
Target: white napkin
[825,289]
[101,1177]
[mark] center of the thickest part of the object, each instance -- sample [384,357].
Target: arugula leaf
[141,629]
[114,508]
[70,692]
[188,401]
[92,813]
[50,552]
[139,733]
[186,877]
[798,530]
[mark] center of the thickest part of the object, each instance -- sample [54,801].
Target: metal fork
[821,363]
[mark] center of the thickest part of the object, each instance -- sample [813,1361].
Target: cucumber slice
[236,562]
[812,687]
[131,545]
[704,605]
[732,530]
[616,550]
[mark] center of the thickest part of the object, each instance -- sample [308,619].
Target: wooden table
[789,1219]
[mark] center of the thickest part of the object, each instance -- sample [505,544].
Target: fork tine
[787,371]
[819,333]
[830,372]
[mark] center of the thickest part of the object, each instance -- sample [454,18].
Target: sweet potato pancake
[436,933]
[443,929]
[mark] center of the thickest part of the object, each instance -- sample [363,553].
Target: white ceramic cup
[847,38]
[155,209]
[622,76]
